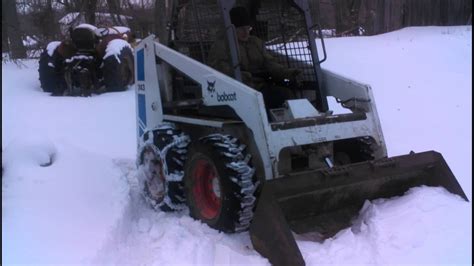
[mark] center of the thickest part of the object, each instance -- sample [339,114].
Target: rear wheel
[220,183]
[117,70]
[50,73]
[161,167]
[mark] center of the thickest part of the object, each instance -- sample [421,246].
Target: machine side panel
[147,88]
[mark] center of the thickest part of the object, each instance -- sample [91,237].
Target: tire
[50,73]
[220,183]
[118,73]
[354,150]
[160,162]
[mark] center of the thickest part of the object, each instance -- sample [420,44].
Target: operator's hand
[293,73]
[247,78]
[292,77]
[246,75]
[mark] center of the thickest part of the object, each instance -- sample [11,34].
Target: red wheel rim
[206,188]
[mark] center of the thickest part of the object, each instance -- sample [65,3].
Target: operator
[259,69]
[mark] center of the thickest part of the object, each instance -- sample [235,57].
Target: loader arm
[218,89]
[245,101]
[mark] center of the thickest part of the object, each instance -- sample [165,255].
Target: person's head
[241,20]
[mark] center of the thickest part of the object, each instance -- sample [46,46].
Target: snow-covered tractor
[92,60]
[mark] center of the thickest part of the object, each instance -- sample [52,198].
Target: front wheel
[220,183]
[51,70]
[160,162]
[118,67]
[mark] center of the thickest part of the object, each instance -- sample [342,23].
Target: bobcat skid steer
[206,140]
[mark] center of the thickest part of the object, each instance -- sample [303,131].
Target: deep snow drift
[70,193]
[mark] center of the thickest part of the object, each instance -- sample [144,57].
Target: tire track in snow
[146,237]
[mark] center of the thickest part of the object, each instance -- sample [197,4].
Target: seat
[84,39]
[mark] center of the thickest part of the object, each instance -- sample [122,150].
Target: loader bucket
[325,201]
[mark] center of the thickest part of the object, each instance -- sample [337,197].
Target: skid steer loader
[207,141]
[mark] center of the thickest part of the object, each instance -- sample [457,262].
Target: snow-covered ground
[84,208]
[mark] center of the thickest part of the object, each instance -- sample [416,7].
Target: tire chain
[367,147]
[230,148]
[179,146]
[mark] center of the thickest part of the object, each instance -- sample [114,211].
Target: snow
[68,18]
[86,26]
[51,47]
[104,31]
[78,57]
[70,193]
[29,42]
[114,48]
[122,29]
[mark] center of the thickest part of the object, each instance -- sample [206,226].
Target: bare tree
[5,46]
[160,15]
[347,16]
[143,16]
[89,8]
[115,11]
[12,27]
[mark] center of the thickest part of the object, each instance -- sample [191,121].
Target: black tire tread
[51,78]
[237,211]
[113,70]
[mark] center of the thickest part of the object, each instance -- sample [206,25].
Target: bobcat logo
[211,86]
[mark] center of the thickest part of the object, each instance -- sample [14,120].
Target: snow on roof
[28,41]
[51,47]
[103,31]
[70,17]
[86,26]
[122,29]
[115,47]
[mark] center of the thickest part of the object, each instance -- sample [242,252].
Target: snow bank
[62,193]
[31,150]
[60,213]
[420,228]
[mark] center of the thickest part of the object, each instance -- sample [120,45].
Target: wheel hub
[154,176]
[206,189]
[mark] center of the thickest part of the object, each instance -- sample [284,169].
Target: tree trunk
[90,7]
[51,26]
[315,8]
[115,12]
[13,29]
[347,16]
[162,14]
[5,46]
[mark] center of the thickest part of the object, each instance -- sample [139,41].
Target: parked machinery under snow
[93,60]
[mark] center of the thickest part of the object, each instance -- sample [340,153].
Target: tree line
[31,24]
